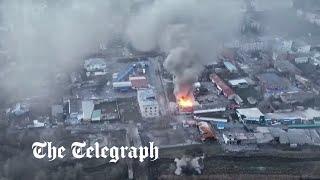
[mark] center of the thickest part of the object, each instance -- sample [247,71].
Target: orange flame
[185,102]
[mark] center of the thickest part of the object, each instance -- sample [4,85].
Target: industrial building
[231,68]
[250,115]
[138,82]
[304,115]
[123,86]
[272,84]
[124,74]
[132,77]
[222,86]
[148,104]
[240,83]
[292,137]
[297,96]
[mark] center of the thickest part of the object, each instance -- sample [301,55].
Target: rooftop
[222,85]
[272,80]
[286,66]
[230,66]
[87,109]
[139,82]
[307,114]
[250,112]
[236,82]
[146,96]
[95,64]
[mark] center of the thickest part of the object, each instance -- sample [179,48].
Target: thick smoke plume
[190,31]
[185,66]
[45,34]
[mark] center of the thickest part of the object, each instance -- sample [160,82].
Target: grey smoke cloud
[45,34]
[185,66]
[48,35]
[190,31]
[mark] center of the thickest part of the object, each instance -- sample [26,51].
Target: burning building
[186,103]
[185,99]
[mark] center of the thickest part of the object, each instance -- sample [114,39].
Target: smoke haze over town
[45,35]
[159,89]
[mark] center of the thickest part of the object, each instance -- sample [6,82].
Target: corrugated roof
[250,112]
[235,82]
[139,82]
[273,81]
[227,91]
[230,66]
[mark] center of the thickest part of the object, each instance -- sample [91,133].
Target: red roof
[139,82]
[227,91]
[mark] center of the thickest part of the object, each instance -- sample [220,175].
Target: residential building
[148,104]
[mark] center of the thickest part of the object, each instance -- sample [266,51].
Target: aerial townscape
[228,90]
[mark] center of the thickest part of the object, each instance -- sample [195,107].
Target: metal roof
[227,91]
[235,82]
[230,66]
[272,80]
[139,82]
[250,112]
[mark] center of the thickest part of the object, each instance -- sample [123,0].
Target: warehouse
[250,115]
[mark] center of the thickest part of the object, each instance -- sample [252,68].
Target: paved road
[157,82]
